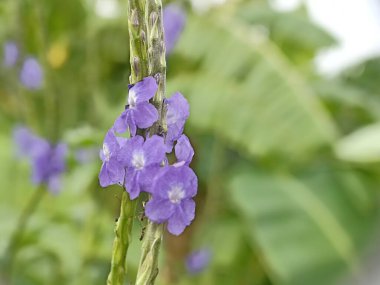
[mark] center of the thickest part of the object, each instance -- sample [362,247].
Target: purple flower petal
[132,145]
[198,260]
[132,183]
[154,148]
[183,150]
[176,176]
[145,115]
[142,91]
[27,143]
[104,177]
[175,186]
[112,171]
[55,184]
[31,74]
[174,19]
[120,125]
[178,222]
[11,54]
[159,210]
[49,163]
[176,116]
[131,123]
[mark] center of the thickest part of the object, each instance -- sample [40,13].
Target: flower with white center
[176,194]
[141,160]
[138,160]
[139,113]
[132,99]
[172,192]
[112,171]
[106,152]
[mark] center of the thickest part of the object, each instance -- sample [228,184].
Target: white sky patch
[285,5]
[204,5]
[107,8]
[354,23]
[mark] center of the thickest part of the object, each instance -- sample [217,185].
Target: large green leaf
[362,146]
[293,31]
[307,231]
[247,92]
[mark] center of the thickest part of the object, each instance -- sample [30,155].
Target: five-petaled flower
[141,159]
[112,172]
[172,193]
[139,113]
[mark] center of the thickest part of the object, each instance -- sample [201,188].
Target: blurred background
[285,122]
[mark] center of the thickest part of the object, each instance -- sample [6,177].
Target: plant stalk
[148,268]
[122,240]
[139,70]
[18,234]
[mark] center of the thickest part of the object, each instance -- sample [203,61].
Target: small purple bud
[10,54]
[135,18]
[31,74]
[136,65]
[197,261]
[174,21]
[153,18]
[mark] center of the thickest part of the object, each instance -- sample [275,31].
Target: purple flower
[49,164]
[198,260]
[27,144]
[31,74]
[176,116]
[139,112]
[142,161]
[10,54]
[171,201]
[112,172]
[174,22]
[184,152]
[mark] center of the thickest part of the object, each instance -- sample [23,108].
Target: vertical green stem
[18,234]
[148,268]
[137,41]
[122,240]
[139,70]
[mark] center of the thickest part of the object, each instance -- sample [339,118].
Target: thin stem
[18,234]
[122,240]
[148,268]
[137,41]
[139,70]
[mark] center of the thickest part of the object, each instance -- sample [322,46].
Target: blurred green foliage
[288,161]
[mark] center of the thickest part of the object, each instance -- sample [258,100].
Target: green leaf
[361,146]
[293,31]
[248,93]
[301,231]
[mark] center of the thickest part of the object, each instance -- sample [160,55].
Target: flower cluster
[140,164]
[47,160]
[31,73]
